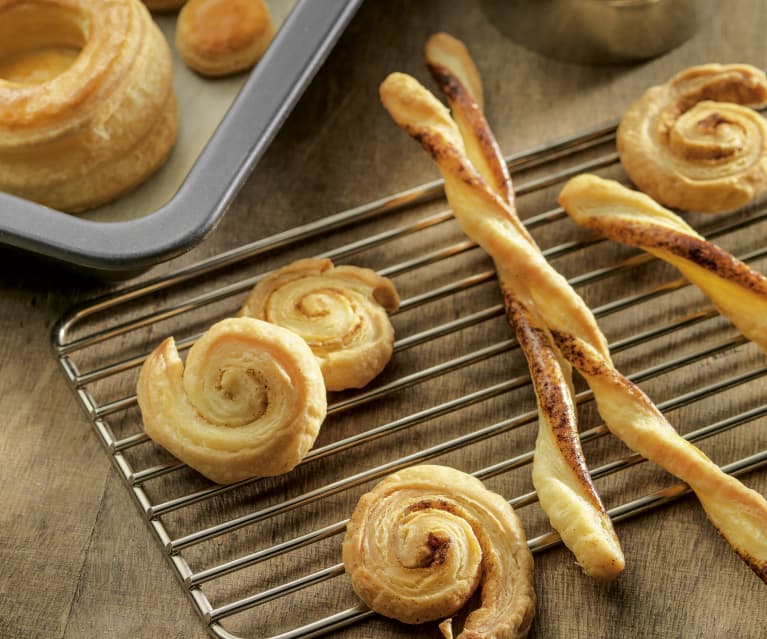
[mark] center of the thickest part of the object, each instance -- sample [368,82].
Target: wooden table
[76,560]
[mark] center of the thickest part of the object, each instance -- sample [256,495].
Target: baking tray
[123,238]
[261,558]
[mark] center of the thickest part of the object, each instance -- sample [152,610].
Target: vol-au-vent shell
[694,144]
[100,126]
[248,403]
[420,543]
[340,311]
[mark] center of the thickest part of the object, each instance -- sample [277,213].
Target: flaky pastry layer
[467,154]
[420,543]
[738,291]
[626,410]
[340,311]
[101,126]
[248,403]
[220,37]
[692,143]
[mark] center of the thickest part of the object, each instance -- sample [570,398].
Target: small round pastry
[87,108]
[693,143]
[163,6]
[220,37]
[249,402]
[420,543]
[340,311]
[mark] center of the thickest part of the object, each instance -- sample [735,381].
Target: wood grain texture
[75,558]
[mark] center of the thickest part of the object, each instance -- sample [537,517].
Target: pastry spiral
[633,218]
[625,409]
[340,311]
[560,474]
[102,125]
[249,402]
[219,37]
[420,543]
[692,144]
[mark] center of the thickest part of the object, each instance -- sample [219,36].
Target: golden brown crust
[102,125]
[623,215]
[248,403]
[737,512]
[560,474]
[421,541]
[340,311]
[219,37]
[693,144]
[456,75]
[625,409]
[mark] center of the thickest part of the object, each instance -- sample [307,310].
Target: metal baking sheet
[226,125]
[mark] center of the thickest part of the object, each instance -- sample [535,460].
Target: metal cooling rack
[229,546]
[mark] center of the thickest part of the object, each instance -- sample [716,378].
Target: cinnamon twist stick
[560,473]
[630,217]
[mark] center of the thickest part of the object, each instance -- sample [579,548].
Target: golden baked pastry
[248,403]
[219,37]
[420,543]
[560,474]
[340,311]
[740,514]
[102,125]
[164,5]
[633,218]
[693,144]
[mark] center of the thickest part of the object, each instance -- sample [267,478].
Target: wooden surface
[76,559]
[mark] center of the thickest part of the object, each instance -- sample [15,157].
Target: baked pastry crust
[220,37]
[738,513]
[693,144]
[420,543]
[100,127]
[560,474]
[248,403]
[629,217]
[340,311]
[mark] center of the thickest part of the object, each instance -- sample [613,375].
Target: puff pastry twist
[693,144]
[420,543]
[625,409]
[560,474]
[340,311]
[249,402]
[739,513]
[629,217]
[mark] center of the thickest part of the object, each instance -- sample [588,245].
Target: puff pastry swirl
[340,311]
[102,125]
[248,403]
[693,144]
[420,543]
[560,474]
[629,217]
